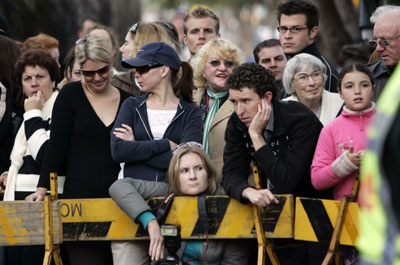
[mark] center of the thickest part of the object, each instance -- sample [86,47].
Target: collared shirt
[269,129]
[267,133]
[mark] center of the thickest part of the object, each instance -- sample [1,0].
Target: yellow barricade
[22,223]
[316,218]
[102,219]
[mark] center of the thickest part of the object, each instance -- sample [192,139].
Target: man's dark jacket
[382,74]
[285,159]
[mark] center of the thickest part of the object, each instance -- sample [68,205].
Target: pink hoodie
[330,166]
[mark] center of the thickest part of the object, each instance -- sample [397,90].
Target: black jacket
[285,160]
[331,83]
[382,75]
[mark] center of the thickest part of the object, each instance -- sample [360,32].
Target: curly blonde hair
[219,47]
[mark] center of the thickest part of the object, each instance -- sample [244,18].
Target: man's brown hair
[201,12]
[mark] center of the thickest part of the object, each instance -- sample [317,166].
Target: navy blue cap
[154,53]
[4,29]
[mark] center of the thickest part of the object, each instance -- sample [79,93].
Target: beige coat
[216,135]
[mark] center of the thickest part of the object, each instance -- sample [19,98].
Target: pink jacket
[330,166]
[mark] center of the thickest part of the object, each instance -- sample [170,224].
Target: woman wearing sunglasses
[212,64]
[190,173]
[150,126]
[83,116]
[137,36]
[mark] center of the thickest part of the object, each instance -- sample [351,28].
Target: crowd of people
[191,128]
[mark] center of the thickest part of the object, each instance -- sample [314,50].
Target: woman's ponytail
[184,86]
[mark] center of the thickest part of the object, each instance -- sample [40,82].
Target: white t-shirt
[159,121]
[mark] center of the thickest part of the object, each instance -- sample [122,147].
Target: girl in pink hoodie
[342,142]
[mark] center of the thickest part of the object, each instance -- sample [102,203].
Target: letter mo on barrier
[71,209]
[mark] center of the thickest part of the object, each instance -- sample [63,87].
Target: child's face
[356,91]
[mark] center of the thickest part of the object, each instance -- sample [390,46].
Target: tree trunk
[61,18]
[333,34]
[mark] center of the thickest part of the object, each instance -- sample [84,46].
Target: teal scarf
[210,115]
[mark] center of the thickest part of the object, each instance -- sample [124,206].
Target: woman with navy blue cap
[150,126]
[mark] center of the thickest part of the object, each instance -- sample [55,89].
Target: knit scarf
[20,148]
[211,114]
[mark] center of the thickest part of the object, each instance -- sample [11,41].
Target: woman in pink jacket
[342,142]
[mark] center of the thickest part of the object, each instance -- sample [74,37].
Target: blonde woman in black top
[83,116]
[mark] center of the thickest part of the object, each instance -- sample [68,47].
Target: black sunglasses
[91,73]
[144,69]
[216,63]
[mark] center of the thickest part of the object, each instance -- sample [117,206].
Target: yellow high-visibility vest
[379,239]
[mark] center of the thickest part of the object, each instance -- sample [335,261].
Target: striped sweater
[31,145]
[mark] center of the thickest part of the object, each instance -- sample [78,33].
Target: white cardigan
[330,105]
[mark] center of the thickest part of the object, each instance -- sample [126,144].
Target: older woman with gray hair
[304,79]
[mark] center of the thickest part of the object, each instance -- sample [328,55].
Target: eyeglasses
[383,42]
[134,28]
[216,63]
[91,73]
[191,144]
[294,29]
[303,78]
[144,69]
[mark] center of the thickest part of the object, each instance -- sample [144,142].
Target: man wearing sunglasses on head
[387,43]
[298,28]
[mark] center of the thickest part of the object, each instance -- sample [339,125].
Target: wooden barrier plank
[22,223]
[315,220]
[102,219]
